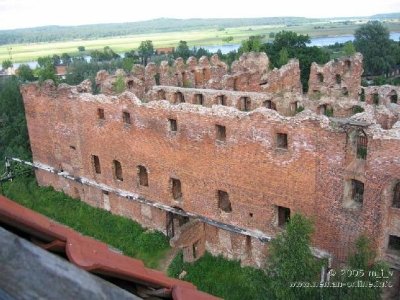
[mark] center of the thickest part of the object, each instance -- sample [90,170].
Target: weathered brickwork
[248,74]
[339,78]
[246,165]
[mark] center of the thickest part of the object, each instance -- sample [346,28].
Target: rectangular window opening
[362,146]
[393,97]
[223,201]
[396,196]
[221,100]
[143,176]
[161,95]
[179,98]
[281,141]
[338,79]
[375,99]
[100,114]
[96,164]
[176,189]
[221,133]
[173,125]
[394,243]
[244,103]
[269,104]
[126,117]
[357,191]
[199,99]
[283,215]
[117,170]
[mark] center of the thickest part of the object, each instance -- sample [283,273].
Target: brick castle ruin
[219,158]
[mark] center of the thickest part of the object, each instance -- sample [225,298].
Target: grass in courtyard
[223,278]
[214,275]
[119,232]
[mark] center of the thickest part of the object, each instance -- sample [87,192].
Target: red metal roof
[90,254]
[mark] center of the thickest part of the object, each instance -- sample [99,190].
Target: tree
[66,59]
[372,40]
[44,61]
[109,53]
[290,40]
[14,139]
[291,260]
[127,63]
[146,50]
[289,44]
[182,50]
[25,73]
[131,54]
[253,43]
[81,48]
[362,268]
[119,85]
[106,55]
[227,39]
[283,57]
[7,64]
[46,69]
[348,48]
[202,52]
[56,60]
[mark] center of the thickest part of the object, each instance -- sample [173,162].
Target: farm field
[205,37]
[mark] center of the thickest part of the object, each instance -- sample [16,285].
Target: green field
[205,37]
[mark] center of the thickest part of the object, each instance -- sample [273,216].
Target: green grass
[119,232]
[223,278]
[28,52]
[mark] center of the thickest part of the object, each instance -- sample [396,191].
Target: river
[321,41]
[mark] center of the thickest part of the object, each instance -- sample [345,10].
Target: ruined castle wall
[259,174]
[285,104]
[249,74]
[285,79]
[339,78]
[381,95]
[383,174]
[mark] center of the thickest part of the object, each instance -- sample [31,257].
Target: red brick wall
[308,177]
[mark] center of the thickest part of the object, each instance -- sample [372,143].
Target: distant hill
[386,16]
[59,33]
[95,31]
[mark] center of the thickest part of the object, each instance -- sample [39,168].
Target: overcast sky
[30,13]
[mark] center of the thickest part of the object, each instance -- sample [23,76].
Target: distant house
[61,71]
[166,50]
[7,72]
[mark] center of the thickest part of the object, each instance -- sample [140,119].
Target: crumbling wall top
[257,62]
